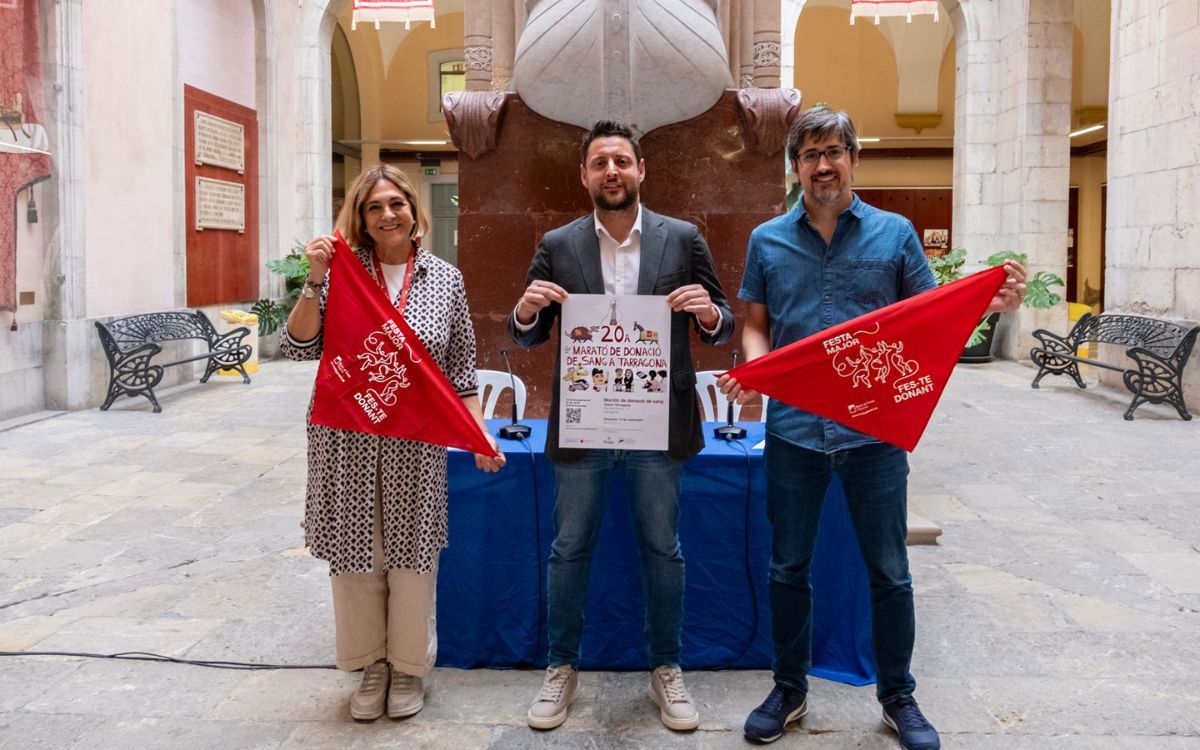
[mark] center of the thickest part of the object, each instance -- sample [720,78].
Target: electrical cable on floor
[146,656]
[746,562]
[537,520]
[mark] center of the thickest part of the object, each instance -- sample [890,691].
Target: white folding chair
[491,384]
[712,401]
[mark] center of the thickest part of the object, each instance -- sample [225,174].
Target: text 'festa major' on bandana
[881,373]
[375,375]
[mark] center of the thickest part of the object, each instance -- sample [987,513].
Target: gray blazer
[673,254]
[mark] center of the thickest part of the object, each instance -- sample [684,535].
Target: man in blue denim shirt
[830,259]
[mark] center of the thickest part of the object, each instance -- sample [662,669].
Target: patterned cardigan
[345,468]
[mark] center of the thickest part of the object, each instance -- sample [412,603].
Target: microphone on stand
[730,431]
[513,431]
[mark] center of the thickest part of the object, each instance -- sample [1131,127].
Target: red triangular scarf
[375,375]
[880,373]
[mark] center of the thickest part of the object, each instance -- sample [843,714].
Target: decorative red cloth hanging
[23,141]
[393,11]
[907,8]
[375,375]
[881,373]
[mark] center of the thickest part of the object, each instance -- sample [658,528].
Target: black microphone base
[730,432]
[515,431]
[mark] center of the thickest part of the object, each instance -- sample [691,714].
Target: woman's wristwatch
[312,289]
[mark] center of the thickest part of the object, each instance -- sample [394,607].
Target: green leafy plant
[1039,287]
[948,267]
[1039,291]
[272,314]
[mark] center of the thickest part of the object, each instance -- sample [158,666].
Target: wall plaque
[219,142]
[220,205]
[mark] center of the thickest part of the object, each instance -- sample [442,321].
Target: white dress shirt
[620,261]
[620,264]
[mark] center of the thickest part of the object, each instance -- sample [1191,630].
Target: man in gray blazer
[622,248]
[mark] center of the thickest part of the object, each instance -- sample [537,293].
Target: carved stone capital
[474,118]
[766,116]
[746,81]
[918,121]
[766,54]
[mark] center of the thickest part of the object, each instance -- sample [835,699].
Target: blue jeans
[652,486]
[875,479]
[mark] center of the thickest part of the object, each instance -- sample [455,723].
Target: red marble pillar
[701,170]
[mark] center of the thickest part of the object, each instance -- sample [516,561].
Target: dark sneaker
[767,722]
[916,733]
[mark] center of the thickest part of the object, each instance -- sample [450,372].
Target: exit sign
[429,171]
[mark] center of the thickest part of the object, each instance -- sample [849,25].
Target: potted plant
[272,314]
[1039,294]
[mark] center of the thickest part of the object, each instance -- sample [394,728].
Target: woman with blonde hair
[376,506]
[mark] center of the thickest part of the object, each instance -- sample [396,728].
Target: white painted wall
[129,116]
[31,258]
[216,48]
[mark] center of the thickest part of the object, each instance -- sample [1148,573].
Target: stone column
[1012,153]
[766,44]
[314,175]
[265,53]
[477,44]
[67,335]
[745,35]
[1153,231]
[504,43]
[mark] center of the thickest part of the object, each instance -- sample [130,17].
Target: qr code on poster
[574,416]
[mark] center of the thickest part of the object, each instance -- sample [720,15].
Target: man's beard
[605,204]
[827,196]
[830,195]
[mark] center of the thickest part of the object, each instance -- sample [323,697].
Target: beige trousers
[386,614]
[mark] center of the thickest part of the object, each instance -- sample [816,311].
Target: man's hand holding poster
[615,372]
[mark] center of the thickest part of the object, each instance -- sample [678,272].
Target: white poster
[616,364]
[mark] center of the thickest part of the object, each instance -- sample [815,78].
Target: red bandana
[375,375]
[881,373]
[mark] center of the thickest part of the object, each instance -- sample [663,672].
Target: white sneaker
[406,696]
[558,692]
[668,693]
[367,702]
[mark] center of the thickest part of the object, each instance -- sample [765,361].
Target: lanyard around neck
[408,272]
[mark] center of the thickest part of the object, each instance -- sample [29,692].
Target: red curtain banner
[375,375]
[881,373]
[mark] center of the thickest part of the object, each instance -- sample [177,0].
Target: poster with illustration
[614,369]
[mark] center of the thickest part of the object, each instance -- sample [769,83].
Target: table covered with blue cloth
[491,598]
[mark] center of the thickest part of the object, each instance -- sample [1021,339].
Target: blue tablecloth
[491,588]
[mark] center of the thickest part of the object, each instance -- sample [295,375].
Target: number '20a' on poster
[615,370]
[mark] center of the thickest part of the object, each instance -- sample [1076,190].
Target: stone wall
[1153,242]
